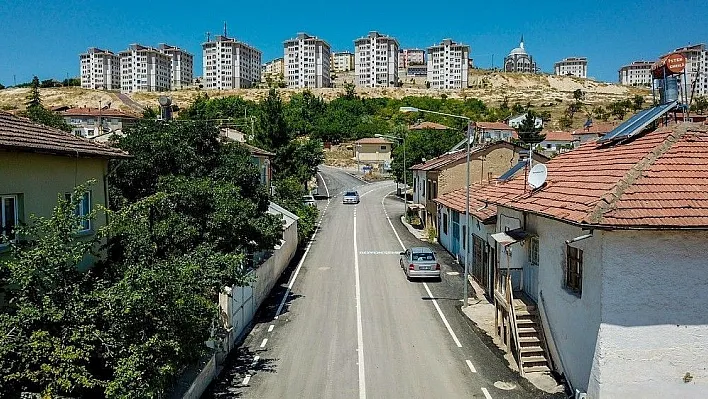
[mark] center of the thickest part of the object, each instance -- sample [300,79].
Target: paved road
[353,326]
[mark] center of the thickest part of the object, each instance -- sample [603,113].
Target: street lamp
[405,185]
[467,206]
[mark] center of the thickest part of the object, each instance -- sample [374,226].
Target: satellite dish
[538,175]
[164,101]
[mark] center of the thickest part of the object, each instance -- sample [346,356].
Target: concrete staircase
[534,358]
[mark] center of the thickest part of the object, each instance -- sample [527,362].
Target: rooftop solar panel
[638,122]
[511,172]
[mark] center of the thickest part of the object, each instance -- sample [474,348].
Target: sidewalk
[482,313]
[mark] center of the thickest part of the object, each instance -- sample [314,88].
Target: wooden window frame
[574,269]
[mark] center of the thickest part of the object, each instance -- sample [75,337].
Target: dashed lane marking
[486,393]
[270,329]
[265,341]
[471,366]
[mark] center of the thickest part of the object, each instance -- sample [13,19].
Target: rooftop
[494,126]
[109,112]
[456,200]
[429,125]
[372,140]
[22,135]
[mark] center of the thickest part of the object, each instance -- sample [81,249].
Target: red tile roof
[109,112]
[558,136]
[429,125]
[657,180]
[452,157]
[22,135]
[257,151]
[598,128]
[478,208]
[494,126]
[372,140]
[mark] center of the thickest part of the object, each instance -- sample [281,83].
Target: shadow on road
[238,364]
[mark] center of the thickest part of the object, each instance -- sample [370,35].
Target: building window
[574,269]
[464,237]
[533,251]
[8,218]
[430,192]
[383,148]
[444,224]
[82,210]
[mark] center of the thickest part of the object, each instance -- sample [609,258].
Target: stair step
[531,349]
[525,321]
[533,359]
[528,330]
[529,340]
[525,313]
[537,369]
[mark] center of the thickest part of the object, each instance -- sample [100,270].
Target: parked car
[350,197]
[309,200]
[420,262]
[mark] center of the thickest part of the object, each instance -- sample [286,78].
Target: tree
[33,98]
[271,128]
[1,86]
[527,130]
[618,109]
[637,102]
[578,95]
[700,104]
[420,144]
[288,194]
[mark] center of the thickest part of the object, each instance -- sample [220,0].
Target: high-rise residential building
[376,60]
[573,66]
[100,70]
[144,68]
[637,73]
[519,60]
[448,65]
[273,70]
[408,57]
[230,64]
[696,70]
[307,61]
[342,61]
[181,66]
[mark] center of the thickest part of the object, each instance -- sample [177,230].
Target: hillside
[544,92]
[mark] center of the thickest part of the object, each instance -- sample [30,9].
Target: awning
[507,238]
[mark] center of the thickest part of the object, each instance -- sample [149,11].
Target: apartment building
[376,60]
[637,73]
[181,66]
[273,70]
[448,65]
[573,66]
[342,61]
[696,70]
[230,64]
[100,69]
[144,68]
[307,61]
[408,57]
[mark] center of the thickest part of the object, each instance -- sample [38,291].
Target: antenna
[208,36]
[538,175]
[225,35]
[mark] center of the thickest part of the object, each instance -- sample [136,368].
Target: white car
[309,200]
[420,262]
[350,197]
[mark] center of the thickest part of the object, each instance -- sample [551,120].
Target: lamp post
[405,185]
[467,206]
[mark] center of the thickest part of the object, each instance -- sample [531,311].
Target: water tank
[669,90]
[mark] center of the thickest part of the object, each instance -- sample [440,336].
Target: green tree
[271,127]
[1,86]
[700,104]
[637,102]
[578,95]
[33,98]
[288,194]
[423,144]
[528,132]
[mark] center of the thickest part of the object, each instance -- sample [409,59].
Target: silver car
[350,197]
[309,200]
[420,262]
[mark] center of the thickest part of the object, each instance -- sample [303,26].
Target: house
[516,121]
[447,173]
[372,151]
[495,131]
[599,273]
[97,123]
[262,159]
[557,141]
[39,163]
[592,132]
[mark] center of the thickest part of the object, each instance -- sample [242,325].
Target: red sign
[669,65]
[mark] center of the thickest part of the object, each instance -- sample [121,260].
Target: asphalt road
[353,326]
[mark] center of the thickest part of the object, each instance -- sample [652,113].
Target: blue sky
[44,38]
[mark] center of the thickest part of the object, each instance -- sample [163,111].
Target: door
[456,234]
[531,270]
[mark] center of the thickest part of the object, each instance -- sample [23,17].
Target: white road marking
[486,393]
[471,366]
[265,341]
[379,252]
[246,380]
[323,182]
[299,265]
[270,329]
[427,289]
[255,360]
[359,329]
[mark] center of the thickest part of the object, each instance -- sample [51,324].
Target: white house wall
[420,181]
[654,330]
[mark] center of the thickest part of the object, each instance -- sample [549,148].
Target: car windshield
[423,256]
[350,194]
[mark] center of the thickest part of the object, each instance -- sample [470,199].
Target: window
[533,251]
[435,189]
[444,223]
[574,269]
[8,218]
[83,209]
[383,148]
[464,237]
[430,192]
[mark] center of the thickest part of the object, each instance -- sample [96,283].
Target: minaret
[522,42]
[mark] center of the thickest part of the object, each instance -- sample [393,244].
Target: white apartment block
[573,66]
[100,70]
[273,69]
[307,62]
[696,70]
[376,60]
[181,66]
[637,73]
[342,61]
[144,68]
[448,65]
[407,57]
[230,64]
